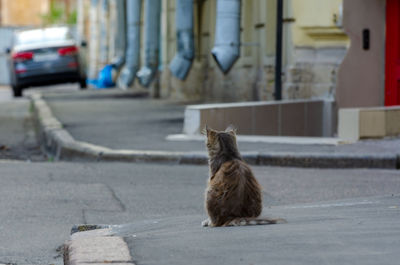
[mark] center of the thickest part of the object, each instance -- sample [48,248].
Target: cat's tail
[241,221]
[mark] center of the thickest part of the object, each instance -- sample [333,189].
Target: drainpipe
[80,21]
[81,38]
[152,42]
[278,56]
[227,37]
[181,63]
[120,35]
[131,66]
[94,41]
[104,32]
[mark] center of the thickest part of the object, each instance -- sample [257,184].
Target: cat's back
[235,190]
[235,173]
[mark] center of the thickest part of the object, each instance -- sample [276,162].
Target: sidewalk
[120,125]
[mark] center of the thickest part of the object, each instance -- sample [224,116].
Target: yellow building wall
[314,45]
[316,23]
[23,12]
[309,27]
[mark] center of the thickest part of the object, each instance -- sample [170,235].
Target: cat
[233,195]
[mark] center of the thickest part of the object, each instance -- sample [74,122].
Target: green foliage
[72,18]
[57,15]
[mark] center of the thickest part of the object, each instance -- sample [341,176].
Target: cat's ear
[231,129]
[209,132]
[205,130]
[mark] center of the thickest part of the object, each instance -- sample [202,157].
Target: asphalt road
[359,232]
[41,201]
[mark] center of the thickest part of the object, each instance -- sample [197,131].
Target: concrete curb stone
[329,160]
[98,248]
[59,143]
[95,244]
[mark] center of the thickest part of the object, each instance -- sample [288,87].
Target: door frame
[392,53]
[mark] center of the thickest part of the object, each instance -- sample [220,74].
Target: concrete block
[349,124]
[266,120]
[214,118]
[241,117]
[313,118]
[355,124]
[286,118]
[192,121]
[372,123]
[330,118]
[392,122]
[293,119]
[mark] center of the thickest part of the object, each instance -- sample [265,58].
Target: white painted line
[329,205]
[263,139]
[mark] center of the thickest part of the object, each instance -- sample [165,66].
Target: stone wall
[312,76]
[209,84]
[313,73]
[313,51]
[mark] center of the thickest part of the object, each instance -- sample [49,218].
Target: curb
[96,246]
[59,143]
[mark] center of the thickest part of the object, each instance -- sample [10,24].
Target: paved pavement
[17,136]
[128,122]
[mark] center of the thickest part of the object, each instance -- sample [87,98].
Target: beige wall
[23,12]
[361,75]
[249,79]
[316,45]
[314,49]
[316,23]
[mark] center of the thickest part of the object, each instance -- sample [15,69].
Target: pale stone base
[312,75]
[362,123]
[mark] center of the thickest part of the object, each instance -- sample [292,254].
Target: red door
[392,65]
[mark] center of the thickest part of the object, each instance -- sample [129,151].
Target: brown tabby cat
[233,195]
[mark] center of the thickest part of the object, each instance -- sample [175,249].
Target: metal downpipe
[181,63]
[152,42]
[80,21]
[131,66]
[94,40]
[278,56]
[104,17]
[227,34]
[120,35]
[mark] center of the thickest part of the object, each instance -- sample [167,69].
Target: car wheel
[82,84]
[17,91]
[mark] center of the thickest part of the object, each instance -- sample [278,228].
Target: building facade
[23,12]
[369,75]
[35,13]
[314,45]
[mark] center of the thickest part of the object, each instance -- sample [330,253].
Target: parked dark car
[44,56]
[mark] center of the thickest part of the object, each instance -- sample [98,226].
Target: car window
[42,36]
